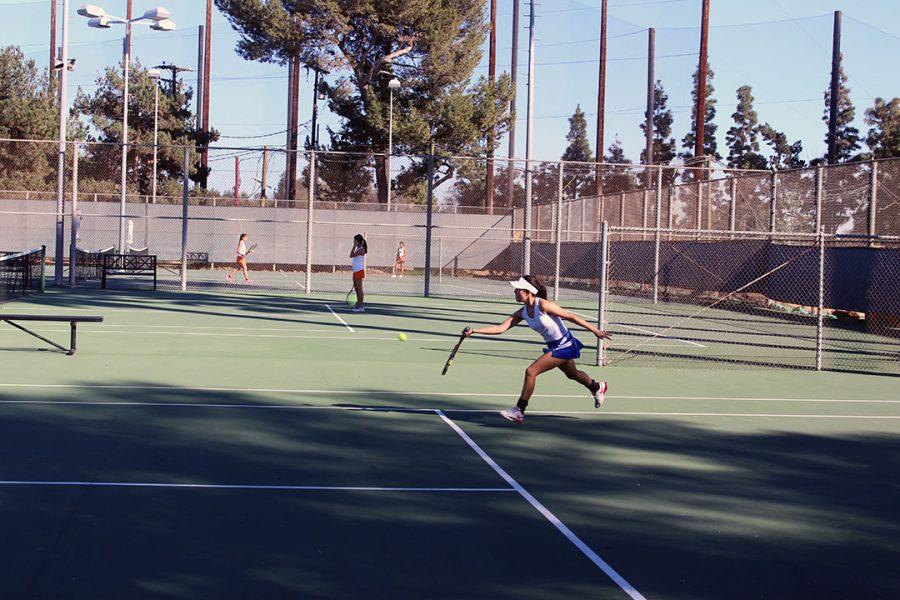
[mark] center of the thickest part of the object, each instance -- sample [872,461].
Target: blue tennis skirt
[566,347]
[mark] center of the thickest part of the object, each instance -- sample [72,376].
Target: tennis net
[21,273]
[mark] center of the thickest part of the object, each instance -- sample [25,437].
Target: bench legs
[69,351]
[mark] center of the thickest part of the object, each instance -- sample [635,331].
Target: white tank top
[549,326]
[359,263]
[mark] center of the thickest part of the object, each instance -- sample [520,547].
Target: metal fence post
[440,259]
[820,317]
[582,226]
[773,197]
[310,201]
[873,198]
[643,214]
[185,182]
[621,214]
[601,300]
[656,234]
[559,203]
[428,222]
[732,208]
[73,241]
[820,196]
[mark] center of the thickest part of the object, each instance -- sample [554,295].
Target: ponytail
[361,241]
[542,291]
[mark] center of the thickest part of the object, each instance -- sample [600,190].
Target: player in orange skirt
[241,260]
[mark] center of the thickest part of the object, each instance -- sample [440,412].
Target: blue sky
[780,47]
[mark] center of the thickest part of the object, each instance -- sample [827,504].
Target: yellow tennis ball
[401,337]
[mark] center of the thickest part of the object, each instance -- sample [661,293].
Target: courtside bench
[73,322]
[136,265]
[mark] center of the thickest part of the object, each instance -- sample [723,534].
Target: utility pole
[601,100]
[529,140]
[835,89]
[52,41]
[174,70]
[651,100]
[510,183]
[313,137]
[292,134]
[492,72]
[699,134]
[207,50]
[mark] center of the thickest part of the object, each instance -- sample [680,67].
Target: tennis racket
[462,337]
[351,297]
[250,249]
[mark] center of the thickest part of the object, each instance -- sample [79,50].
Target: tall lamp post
[63,65]
[393,84]
[158,20]
[155,75]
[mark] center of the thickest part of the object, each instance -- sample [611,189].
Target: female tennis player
[562,349]
[358,256]
[400,261]
[241,260]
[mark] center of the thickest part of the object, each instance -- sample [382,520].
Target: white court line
[592,556]
[225,486]
[468,289]
[300,391]
[667,337]
[338,317]
[403,409]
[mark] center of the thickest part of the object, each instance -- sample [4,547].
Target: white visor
[521,284]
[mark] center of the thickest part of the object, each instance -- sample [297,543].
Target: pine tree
[784,154]
[743,138]
[883,120]
[663,142]
[579,150]
[432,46]
[689,141]
[101,112]
[847,137]
[616,178]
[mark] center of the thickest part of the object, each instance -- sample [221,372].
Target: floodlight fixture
[163,25]
[157,14]
[91,11]
[100,22]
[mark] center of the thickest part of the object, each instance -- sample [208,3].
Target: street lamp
[158,20]
[393,84]
[155,75]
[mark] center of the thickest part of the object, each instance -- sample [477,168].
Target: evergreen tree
[883,120]
[432,46]
[784,154]
[617,178]
[663,142]
[579,150]
[101,112]
[743,138]
[847,137]
[27,111]
[710,145]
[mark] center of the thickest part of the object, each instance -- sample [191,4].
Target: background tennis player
[562,349]
[241,260]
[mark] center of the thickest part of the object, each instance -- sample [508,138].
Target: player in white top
[241,260]
[358,259]
[562,349]
[400,261]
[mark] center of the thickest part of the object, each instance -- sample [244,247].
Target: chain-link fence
[705,265]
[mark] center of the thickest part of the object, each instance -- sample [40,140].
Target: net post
[820,321]
[602,295]
[73,241]
[820,196]
[185,181]
[732,208]
[773,197]
[429,216]
[873,198]
[43,268]
[559,203]
[310,200]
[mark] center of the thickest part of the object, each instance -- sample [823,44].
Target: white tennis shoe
[600,394]
[513,414]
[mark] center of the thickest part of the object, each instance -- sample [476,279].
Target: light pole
[155,75]
[63,65]
[158,19]
[393,84]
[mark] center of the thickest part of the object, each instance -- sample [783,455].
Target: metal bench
[128,264]
[73,322]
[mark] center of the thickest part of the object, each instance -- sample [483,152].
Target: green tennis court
[233,442]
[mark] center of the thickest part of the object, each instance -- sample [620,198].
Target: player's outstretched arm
[511,321]
[552,308]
